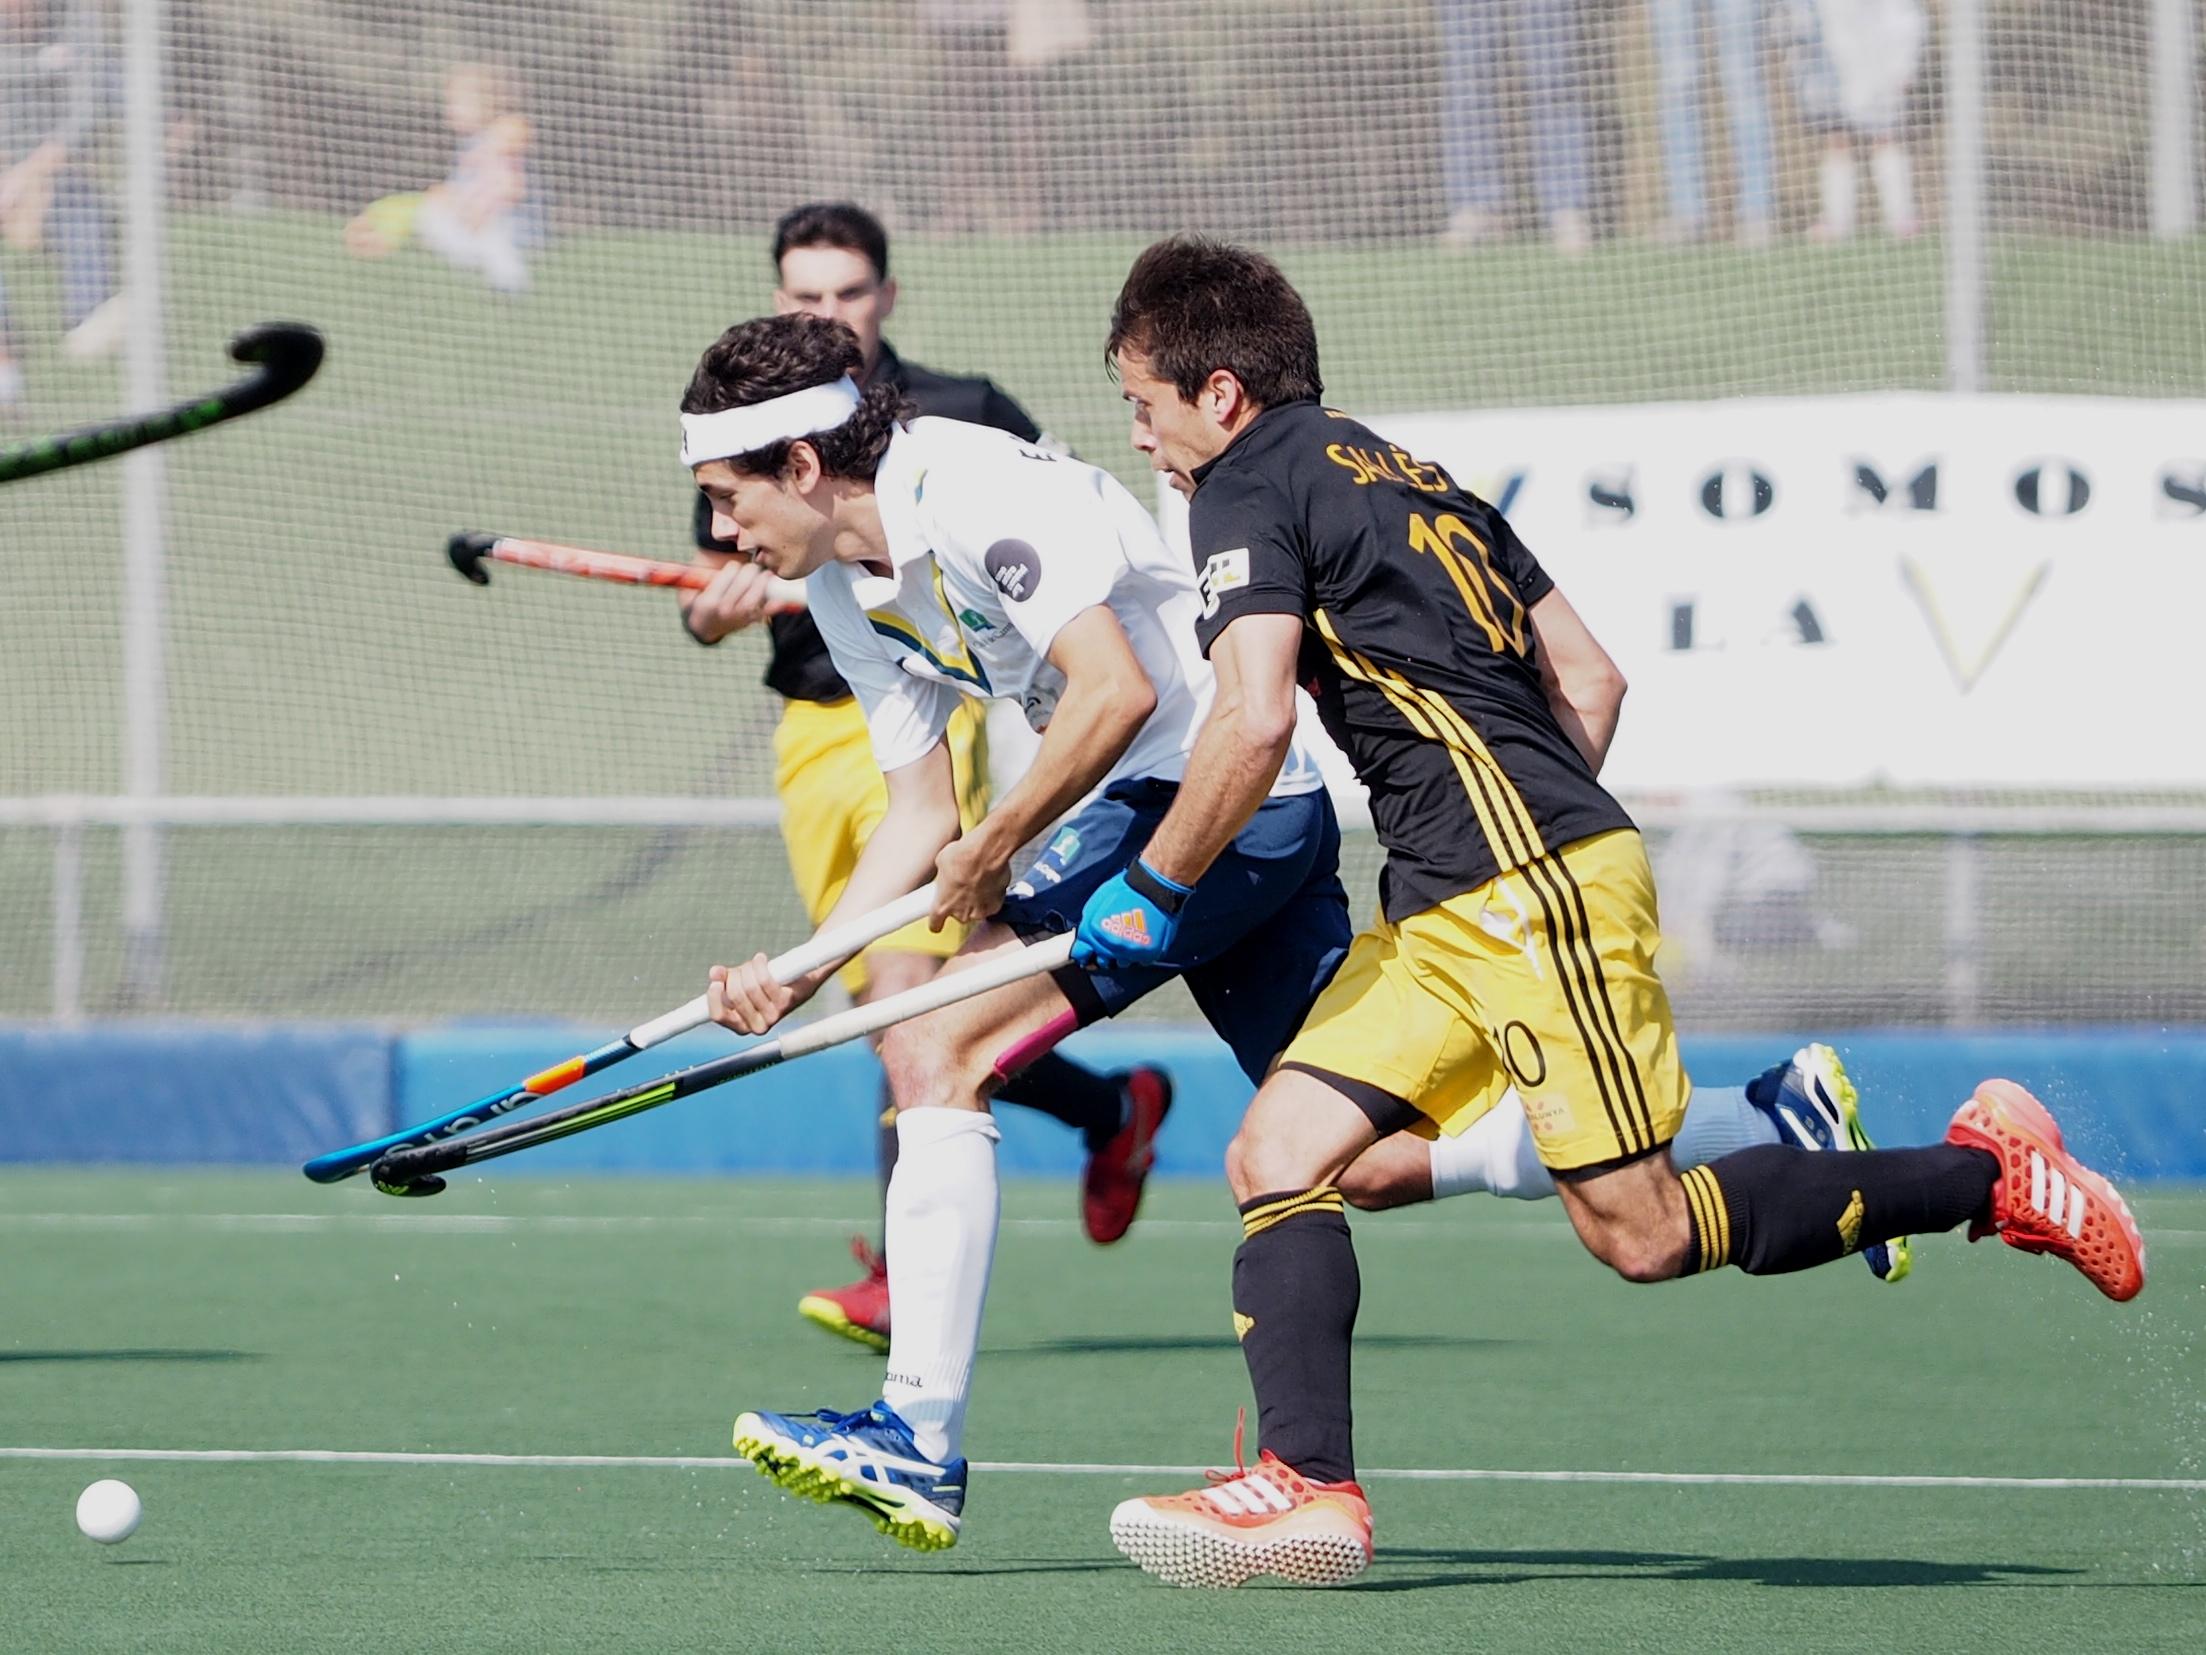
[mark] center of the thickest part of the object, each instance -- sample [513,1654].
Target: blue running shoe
[867,1460]
[1815,1106]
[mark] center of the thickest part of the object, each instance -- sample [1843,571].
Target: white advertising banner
[1901,588]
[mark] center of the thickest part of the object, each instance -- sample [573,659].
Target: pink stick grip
[1020,1053]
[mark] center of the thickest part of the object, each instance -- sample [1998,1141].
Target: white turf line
[1532,1225]
[430,1223]
[686,1462]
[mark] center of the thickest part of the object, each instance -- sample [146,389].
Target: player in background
[831,259]
[945,561]
[1517,931]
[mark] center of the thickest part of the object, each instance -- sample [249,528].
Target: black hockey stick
[284,356]
[413,1170]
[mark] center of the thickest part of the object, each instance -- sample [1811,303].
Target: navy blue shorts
[1263,933]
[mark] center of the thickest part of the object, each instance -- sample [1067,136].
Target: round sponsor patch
[1015,568]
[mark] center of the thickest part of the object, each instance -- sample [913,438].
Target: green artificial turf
[174,1309]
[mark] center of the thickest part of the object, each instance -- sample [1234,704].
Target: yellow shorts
[833,797]
[1543,978]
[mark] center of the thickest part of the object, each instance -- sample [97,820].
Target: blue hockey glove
[1132,919]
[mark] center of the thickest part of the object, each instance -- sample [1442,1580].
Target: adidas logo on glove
[1132,927]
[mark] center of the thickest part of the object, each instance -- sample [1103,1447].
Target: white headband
[757,425]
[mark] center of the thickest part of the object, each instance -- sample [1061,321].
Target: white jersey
[995,546]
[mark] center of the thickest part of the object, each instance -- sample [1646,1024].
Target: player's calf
[929,1065]
[1394,1172]
[1633,1218]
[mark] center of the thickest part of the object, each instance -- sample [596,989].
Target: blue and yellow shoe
[1815,1106]
[867,1460]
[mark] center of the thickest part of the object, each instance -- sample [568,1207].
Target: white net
[517,224]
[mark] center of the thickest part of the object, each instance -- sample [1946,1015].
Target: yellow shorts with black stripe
[833,797]
[1543,979]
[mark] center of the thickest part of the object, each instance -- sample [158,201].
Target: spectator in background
[996,62]
[976,113]
[1045,37]
[56,85]
[1853,62]
[1679,49]
[1549,55]
[481,217]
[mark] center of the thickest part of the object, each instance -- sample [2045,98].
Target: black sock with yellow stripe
[1771,1209]
[1295,1293]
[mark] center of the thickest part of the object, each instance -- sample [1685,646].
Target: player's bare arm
[1239,748]
[922,819]
[1106,700]
[1585,688]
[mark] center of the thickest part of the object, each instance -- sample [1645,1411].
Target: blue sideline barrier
[185,1092]
[280,1093]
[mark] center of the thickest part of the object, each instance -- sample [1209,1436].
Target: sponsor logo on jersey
[1224,572]
[1015,568]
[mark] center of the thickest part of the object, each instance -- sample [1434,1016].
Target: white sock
[1894,173]
[1837,175]
[1719,1120]
[941,1240]
[1494,1155]
[1497,1154]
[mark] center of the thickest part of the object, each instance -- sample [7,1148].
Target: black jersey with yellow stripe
[1415,596]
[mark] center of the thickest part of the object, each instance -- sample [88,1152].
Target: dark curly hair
[774,355]
[1192,305]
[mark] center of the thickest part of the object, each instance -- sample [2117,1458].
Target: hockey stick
[468,549]
[824,949]
[284,355]
[415,1171]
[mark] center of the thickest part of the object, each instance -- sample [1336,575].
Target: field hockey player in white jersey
[943,561]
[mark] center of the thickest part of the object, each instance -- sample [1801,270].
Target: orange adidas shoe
[1265,1519]
[859,1312]
[2047,1201]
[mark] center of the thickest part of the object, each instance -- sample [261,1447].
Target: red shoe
[1110,1184]
[859,1311]
[1265,1519]
[2047,1201]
